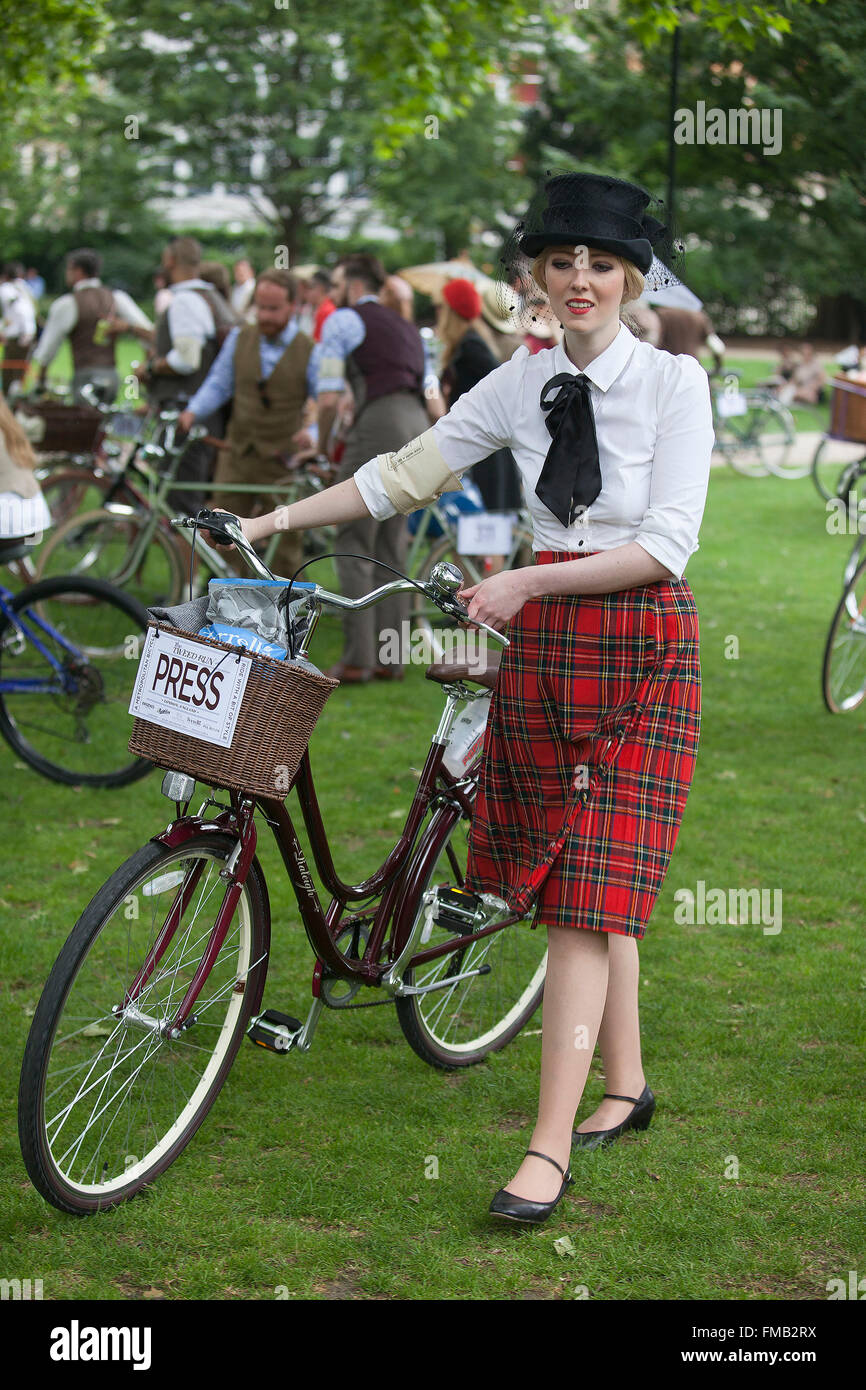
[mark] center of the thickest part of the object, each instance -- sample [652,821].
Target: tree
[45,43]
[766,233]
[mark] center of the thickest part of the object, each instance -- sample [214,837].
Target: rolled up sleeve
[681,466]
[477,425]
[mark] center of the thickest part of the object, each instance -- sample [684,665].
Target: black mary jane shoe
[644,1105]
[512,1208]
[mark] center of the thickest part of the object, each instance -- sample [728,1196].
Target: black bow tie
[571,477]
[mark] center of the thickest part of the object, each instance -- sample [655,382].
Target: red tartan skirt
[589,755]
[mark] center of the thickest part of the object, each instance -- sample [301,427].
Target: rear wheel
[107,1101]
[462,1023]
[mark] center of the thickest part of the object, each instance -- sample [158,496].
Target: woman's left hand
[496,600]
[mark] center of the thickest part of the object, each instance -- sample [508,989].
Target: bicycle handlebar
[441,589]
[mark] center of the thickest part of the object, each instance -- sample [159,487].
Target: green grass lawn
[308,1177]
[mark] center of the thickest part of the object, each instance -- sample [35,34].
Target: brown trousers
[250,468]
[384,426]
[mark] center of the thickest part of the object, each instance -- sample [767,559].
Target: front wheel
[68,662]
[462,1023]
[107,1100]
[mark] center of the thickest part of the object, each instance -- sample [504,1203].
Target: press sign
[193,689]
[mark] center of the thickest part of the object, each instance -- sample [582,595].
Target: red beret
[463,298]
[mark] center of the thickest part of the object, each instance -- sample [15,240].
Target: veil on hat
[523,301]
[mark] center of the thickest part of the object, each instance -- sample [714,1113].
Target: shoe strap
[536,1154]
[608,1095]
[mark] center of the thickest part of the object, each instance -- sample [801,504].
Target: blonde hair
[17,444]
[451,329]
[633,281]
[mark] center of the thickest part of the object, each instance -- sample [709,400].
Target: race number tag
[193,689]
[731,405]
[483,533]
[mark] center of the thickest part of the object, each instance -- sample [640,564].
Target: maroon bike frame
[399,879]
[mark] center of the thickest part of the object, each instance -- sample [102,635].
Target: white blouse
[653,422]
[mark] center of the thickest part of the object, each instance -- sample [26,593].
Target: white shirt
[242,296]
[191,323]
[17,311]
[653,422]
[63,317]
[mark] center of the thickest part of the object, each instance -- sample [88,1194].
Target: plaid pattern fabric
[589,754]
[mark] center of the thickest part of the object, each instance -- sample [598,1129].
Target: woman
[593,728]
[23,509]
[466,359]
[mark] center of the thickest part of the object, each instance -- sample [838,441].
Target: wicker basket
[848,410]
[61,429]
[278,713]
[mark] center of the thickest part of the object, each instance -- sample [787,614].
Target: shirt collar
[366,299]
[92,284]
[604,369]
[284,337]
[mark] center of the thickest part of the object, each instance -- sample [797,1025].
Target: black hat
[593,210]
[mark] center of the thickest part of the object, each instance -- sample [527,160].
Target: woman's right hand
[247,525]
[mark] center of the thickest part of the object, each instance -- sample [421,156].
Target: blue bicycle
[69,649]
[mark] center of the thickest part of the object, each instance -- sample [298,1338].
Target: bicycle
[754,430]
[843,677]
[66,668]
[129,541]
[144,1012]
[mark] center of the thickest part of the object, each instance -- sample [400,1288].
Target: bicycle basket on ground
[279,708]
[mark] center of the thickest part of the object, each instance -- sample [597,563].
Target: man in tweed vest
[263,366]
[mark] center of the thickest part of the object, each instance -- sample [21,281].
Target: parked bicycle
[67,664]
[848,425]
[143,1012]
[754,430]
[128,540]
[843,680]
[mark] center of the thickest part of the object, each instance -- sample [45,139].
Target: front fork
[240,820]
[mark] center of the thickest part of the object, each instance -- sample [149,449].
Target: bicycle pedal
[273,1030]
[457,910]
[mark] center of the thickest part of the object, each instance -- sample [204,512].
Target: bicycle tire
[68,491]
[831,479]
[747,454]
[844,647]
[777,457]
[79,598]
[416,1020]
[120,1178]
[98,544]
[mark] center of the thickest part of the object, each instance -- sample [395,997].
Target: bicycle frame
[23,687]
[396,882]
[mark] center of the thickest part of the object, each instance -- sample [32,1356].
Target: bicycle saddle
[14,548]
[486,674]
